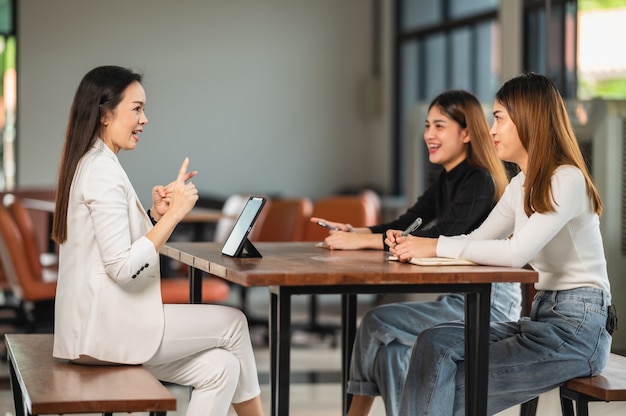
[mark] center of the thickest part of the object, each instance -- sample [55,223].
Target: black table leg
[273,324]
[195,285]
[280,337]
[477,311]
[348,333]
[18,398]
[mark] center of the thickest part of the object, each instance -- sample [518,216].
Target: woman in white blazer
[108,301]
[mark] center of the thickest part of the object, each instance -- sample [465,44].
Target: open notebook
[436,261]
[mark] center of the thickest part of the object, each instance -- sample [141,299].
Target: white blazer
[108,300]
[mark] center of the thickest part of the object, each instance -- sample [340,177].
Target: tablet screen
[235,242]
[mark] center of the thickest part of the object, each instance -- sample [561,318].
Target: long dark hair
[100,91]
[464,108]
[544,128]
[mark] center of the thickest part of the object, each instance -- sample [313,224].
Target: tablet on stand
[237,244]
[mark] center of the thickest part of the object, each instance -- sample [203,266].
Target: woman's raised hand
[181,195]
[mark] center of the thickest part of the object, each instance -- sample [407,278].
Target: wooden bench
[42,384]
[608,386]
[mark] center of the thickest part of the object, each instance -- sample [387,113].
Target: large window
[7,93]
[444,44]
[550,41]
[440,45]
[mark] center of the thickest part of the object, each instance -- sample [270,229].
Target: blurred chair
[373,203]
[35,295]
[176,290]
[357,210]
[173,290]
[214,290]
[231,209]
[10,313]
[286,220]
[47,264]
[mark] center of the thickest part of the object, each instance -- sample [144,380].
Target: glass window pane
[535,44]
[419,13]
[6,17]
[464,8]
[435,65]
[486,62]
[410,75]
[461,59]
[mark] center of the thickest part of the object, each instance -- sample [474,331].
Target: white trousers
[207,347]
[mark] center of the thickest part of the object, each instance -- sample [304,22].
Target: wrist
[154,216]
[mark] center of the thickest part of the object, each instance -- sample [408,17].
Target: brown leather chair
[357,210]
[176,289]
[173,290]
[34,293]
[286,219]
[44,264]
[231,209]
[214,290]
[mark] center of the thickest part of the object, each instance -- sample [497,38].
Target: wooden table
[301,268]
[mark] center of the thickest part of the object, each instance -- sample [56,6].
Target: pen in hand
[414,226]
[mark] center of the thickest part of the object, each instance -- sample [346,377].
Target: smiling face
[120,127]
[445,139]
[506,138]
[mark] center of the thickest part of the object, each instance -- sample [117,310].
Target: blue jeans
[385,338]
[564,337]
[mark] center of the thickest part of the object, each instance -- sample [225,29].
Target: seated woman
[108,304]
[548,218]
[472,180]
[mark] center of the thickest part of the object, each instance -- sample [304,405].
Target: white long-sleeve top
[564,247]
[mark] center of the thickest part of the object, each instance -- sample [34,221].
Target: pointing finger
[182,173]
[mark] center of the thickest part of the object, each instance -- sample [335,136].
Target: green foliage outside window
[611,86]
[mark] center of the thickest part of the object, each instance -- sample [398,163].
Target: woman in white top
[548,218]
[108,307]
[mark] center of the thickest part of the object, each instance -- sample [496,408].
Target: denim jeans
[385,338]
[564,337]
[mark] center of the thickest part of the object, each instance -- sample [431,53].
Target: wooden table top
[303,264]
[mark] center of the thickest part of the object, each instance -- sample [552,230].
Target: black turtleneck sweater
[456,203]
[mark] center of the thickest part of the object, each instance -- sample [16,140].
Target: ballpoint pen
[414,226]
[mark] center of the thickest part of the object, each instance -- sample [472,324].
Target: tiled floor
[315,389]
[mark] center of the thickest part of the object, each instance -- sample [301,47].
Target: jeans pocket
[600,356]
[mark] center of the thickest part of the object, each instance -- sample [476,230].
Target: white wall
[263,95]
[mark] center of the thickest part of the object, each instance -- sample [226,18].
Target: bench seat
[608,386]
[42,384]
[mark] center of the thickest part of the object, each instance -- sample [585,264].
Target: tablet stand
[249,250]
